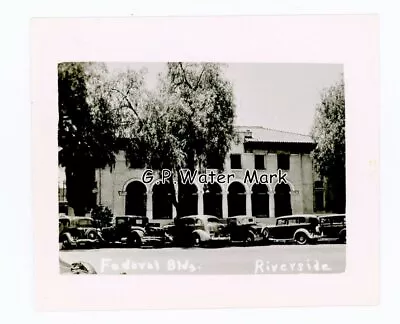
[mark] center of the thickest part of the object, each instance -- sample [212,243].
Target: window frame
[239,156]
[279,161]
[259,156]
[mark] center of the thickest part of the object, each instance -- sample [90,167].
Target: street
[274,259]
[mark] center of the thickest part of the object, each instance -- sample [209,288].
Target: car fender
[343,234]
[204,236]
[91,230]
[68,236]
[303,230]
[138,230]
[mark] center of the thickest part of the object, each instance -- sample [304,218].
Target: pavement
[272,259]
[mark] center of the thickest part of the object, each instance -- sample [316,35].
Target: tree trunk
[80,181]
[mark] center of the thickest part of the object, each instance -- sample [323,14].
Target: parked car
[199,230]
[134,231]
[302,229]
[245,229]
[333,227]
[77,231]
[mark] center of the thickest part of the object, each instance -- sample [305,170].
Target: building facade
[257,150]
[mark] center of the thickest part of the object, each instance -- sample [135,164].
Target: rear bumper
[80,242]
[219,238]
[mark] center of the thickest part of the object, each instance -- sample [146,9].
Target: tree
[86,131]
[186,123]
[329,156]
[102,216]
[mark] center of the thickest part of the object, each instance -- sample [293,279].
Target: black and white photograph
[196,168]
[203,163]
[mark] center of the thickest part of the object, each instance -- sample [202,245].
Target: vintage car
[199,230]
[301,229]
[134,231]
[333,227]
[245,229]
[77,231]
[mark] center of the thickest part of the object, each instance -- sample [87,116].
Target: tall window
[318,196]
[62,192]
[284,161]
[236,161]
[259,162]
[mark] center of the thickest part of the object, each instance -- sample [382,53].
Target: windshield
[188,221]
[85,223]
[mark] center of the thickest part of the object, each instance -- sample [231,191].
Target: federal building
[265,150]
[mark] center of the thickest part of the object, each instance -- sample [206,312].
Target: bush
[102,216]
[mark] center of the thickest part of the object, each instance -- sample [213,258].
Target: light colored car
[77,231]
[199,230]
[302,229]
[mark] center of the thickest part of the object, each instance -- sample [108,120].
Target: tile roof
[261,134]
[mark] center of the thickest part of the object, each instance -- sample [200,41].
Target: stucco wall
[112,183]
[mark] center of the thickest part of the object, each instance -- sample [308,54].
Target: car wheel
[301,238]
[265,234]
[65,245]
[135,240]
[196,240]
[342,238]
[92,235]
[250,238]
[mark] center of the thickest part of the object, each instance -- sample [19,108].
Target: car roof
[75,217]
[298,215]
[332,215]
[130,216]
[240,216]
[199,216]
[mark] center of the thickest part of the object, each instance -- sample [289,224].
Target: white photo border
[352,40]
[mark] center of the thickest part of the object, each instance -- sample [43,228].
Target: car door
[293,224]
[186,227]
[214,225]
[121,227]
[326,226]
[279,230]
[338,223]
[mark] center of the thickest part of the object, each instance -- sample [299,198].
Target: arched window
[212,199]
[236,199]
[260,200]
[282,200]
[135,203]
[162,201]
[188,200]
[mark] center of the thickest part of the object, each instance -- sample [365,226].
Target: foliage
[328,132]
[187,123]
[102,216]
[86,131]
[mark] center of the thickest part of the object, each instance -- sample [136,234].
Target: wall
[112,183]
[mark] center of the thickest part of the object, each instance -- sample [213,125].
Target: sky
[279,95]
[273,95]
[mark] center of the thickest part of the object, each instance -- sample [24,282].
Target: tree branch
[199,79]
[130,105]
[184,76]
